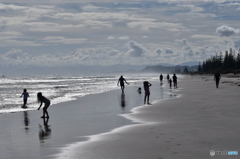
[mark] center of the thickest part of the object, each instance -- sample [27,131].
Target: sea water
[58,88]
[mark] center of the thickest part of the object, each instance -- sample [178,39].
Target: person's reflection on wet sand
[45,131]
[26,120]
[123,103]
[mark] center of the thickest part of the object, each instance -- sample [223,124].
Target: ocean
[59,88]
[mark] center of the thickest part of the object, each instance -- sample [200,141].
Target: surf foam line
[74,150]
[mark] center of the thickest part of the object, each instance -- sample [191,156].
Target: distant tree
[185,70]
[238,60]
[199,67]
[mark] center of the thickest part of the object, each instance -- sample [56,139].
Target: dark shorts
[147,93]
[46,105]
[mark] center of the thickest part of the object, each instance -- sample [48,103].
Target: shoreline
[186,127]
[26,135]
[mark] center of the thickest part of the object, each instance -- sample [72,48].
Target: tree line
[229,63]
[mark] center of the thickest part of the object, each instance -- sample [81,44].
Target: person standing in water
[42,99]
[217,77]
[174,80]
[121,80]
[161,78]
[146,86]
[25,97]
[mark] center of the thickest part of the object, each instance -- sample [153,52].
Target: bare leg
[122,87]
[47,113]
[148,99]
[43,114]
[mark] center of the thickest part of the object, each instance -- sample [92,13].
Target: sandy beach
[204,118]
[187,122]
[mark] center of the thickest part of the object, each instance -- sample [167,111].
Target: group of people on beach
[41,99]
[146,85]
[174,77]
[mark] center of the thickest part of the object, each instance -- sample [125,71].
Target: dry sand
[203,118]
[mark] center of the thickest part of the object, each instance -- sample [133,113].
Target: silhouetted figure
[45,132]
[25,97]
[174,80]
[139,90]
[168,77]
[217,77]
[42,99]
[146,85]
[170,83]
[161,78]
[121,80]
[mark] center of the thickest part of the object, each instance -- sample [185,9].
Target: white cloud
[192,7]
[110,37]
[136,49]
[146,25]
[123,38]
[169,51]
[90,7]
[15,57]
[11,7]
[59,40]
[227,31]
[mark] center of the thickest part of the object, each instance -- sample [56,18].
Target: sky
[112,32]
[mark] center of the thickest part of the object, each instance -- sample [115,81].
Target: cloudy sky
[109,32]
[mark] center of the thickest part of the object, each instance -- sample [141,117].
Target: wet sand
[204,118]
[24,135]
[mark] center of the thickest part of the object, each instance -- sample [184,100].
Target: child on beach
[25,97]
[42,99]
[146,85]
[170,83]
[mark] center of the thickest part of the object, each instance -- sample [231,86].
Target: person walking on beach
[121,80]
[174,80]
[168,77]
[161,78]
[146,86]
[25,97]
[42,99]
[217,77]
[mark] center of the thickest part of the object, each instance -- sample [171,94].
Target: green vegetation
[230,63]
